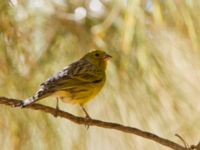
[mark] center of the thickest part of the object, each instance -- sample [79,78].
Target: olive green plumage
[78,83]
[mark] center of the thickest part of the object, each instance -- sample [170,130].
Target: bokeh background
[153,80]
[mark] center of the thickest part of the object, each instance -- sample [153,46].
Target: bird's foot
[57,108]
[56,112]
[87,117]
[87,124]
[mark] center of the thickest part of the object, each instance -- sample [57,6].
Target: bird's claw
[57,108]
[87,124]
[56,113]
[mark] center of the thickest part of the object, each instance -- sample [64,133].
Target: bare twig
[98,123]
[184,142]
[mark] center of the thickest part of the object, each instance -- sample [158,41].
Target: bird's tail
[27,101]
[39,95]
[30,100]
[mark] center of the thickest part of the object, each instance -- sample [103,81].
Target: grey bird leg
[57,107]
[87,115]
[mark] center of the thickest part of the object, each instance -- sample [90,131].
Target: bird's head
[98,58]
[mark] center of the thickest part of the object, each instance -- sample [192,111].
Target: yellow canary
[78,83]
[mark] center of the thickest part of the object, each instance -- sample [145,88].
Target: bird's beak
[107,57]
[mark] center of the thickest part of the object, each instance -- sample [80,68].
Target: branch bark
[94,122]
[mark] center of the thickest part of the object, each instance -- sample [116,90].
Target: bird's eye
[97,55]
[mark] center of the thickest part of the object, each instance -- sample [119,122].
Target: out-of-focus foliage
[153,79]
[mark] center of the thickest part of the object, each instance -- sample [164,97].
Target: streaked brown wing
[79,73]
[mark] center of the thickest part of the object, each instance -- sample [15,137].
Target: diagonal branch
[98,123]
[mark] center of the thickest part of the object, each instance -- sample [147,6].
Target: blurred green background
[153,80]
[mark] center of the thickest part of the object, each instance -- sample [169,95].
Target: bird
[77,83]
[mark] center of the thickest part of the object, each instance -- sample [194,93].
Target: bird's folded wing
[76,80]
[80,73]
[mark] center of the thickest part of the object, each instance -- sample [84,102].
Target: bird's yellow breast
[80,94]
